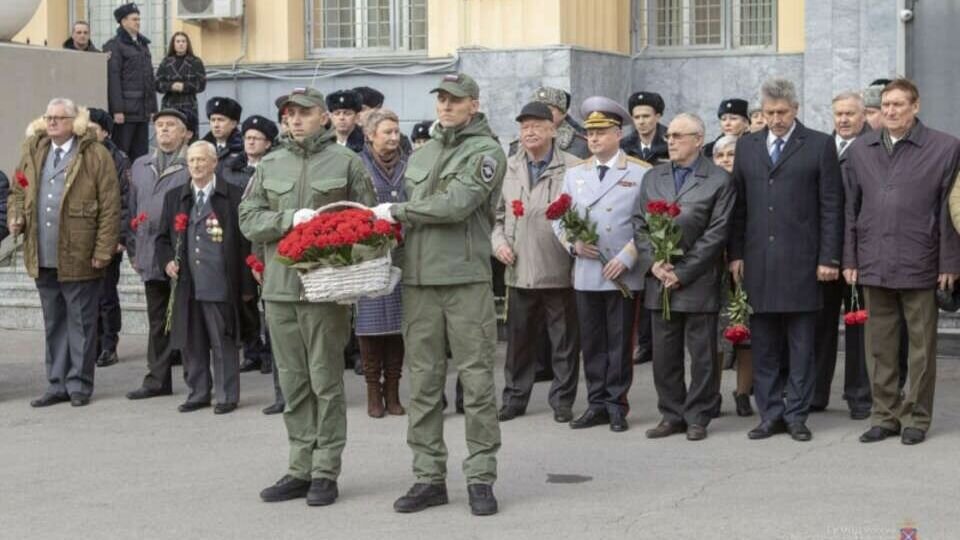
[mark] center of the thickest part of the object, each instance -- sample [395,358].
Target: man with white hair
[70,236]
[153,175]
[786,239]
[207,260]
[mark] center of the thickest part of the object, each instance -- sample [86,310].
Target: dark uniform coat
[658,147]
[130,84]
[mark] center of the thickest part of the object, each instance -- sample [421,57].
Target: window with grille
[704,24]
[340,26]
[154,23]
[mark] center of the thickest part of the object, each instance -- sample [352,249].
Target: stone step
[23,290]
[26,314]
[18,274]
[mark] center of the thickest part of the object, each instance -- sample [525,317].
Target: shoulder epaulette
[640,162]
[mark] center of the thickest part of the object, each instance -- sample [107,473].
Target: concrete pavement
[122,469]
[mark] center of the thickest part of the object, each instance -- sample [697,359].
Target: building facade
[694,52]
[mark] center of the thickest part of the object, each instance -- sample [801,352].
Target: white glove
[303,214]
[382,211]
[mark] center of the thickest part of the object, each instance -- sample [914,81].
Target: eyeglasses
[51,119]
[670,136]
[254,138]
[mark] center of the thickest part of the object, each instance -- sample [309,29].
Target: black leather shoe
[107,358]
[912,436]
[420,497]
[665,429]
[589,419]
[799,431]
[482,501]
[285,489]
[767,429]
[192,406]
[145,393]
[877,434]
[322,492]
[79,401]
[562,415]
[276,408]
[742,402]
[266,367]
[249,364]
[618,422]
[696,432]
[47,400]
[508,413]
[224,408]
[641,356]
[859,414]
[817,408]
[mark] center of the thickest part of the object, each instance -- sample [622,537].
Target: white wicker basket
[346,284]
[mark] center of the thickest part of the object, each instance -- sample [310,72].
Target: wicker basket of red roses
[342,255]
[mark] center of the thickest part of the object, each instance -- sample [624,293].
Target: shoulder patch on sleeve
[488,168]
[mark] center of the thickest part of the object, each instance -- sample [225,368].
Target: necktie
[679,177]
[645,153]
[57,156]
[602,171]
[200,200]
[777,149]
[843,145]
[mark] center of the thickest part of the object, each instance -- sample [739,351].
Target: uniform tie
[200,200]
[57,157]
[602,171]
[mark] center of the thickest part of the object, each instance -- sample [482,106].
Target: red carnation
[135,222]
[559,207]
[22,179]
[180,222]
[855,318]
[517,205]
[255,263]
[673,210]
[737,333]
[657,207]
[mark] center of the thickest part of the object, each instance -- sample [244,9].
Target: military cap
[871,96]
[459,85]
[601,112]
[176,113]
[370,97]
[651,99]
[125,10]
[535,109]
[881,82]
[225,106]
[102,118]
[302,96]
[261,124]
[552,96]
[344,99]
[420,131]
[192,123]
[736,106]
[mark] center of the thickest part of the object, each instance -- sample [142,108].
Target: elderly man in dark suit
[705,195]
[786,238]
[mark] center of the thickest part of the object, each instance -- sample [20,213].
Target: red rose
[517,205]
[673,210]
[559,207]
[737,333]
[22,179]
[657,207]
[180,222]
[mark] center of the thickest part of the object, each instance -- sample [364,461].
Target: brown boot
[391,395]
[374,401]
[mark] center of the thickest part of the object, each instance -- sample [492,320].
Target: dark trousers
[133,138]
[774,370]
[606,321]
[70,332]
[110,317]
[158,342]
[856,384]
[698,331]
[532,313]
[644,331]
[207,336]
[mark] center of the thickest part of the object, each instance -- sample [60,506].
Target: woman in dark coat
[181,76]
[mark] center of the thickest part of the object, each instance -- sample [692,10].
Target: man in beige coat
[540,294]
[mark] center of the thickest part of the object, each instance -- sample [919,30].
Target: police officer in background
[734,116]
[420,133]
[344,106]
[452,184]
[647,142]
[224,115]
[308,338]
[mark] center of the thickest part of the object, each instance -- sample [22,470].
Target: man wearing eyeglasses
[66,201]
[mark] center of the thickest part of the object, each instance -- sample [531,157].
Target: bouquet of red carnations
[580,228]
[342,255]
[738,311]
[856,316]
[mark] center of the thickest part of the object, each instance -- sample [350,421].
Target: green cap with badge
[304,97]
[459,85]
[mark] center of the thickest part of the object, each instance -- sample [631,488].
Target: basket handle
[349,204]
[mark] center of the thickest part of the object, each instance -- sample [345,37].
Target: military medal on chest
[214,231]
